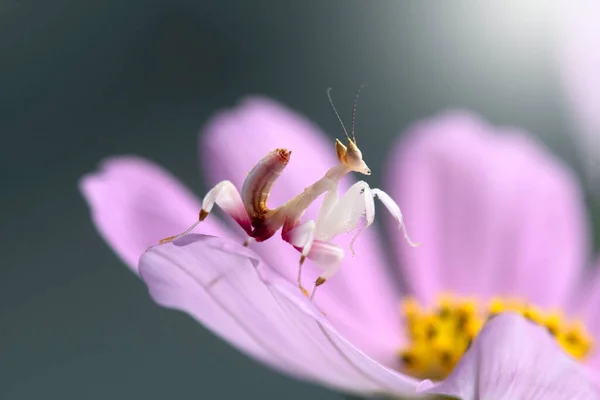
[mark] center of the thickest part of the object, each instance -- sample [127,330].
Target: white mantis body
[312,238]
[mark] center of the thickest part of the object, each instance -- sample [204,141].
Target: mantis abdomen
[260,179]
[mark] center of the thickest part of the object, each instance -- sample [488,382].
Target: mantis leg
[327,256]
[394,209]
[330,201]
[227,197]
[302,238]
[345,215]
[347,212]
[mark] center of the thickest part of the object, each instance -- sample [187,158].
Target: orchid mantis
[312,239]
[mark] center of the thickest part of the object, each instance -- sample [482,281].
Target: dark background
[82,80]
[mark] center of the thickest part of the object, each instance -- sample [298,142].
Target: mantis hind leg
[227,197]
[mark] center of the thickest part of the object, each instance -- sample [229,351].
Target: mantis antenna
[354,111]
[336,113]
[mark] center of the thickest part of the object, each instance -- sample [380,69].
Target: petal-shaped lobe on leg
[227,197]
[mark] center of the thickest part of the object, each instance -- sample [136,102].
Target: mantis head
[351,157]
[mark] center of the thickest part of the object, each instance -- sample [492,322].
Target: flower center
[439,336]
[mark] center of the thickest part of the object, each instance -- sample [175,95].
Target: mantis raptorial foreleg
[343,215]
[394,209]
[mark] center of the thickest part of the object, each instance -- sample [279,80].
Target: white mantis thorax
[312,239]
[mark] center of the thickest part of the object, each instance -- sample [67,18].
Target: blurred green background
[82,80]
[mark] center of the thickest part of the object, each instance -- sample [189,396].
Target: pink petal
[229,290]
[579,64]
[495,214]
[135,203]
[513,358]
[587,302]
[593,365]
[233,142]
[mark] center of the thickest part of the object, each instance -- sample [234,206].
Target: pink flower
[499,220]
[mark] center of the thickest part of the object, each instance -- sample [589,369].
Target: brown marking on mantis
[260,179]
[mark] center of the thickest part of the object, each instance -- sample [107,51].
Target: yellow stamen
[496,306]
[439,336]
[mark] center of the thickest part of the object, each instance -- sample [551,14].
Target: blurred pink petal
[495,214]
[588,302]
[579,59]
[135,203]
[593,366]
[553,241]
[360,295]
[225,286]
[513,358]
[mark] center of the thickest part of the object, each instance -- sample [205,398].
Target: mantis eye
[341,150]
[351,156]
[353,153]
[354,159]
